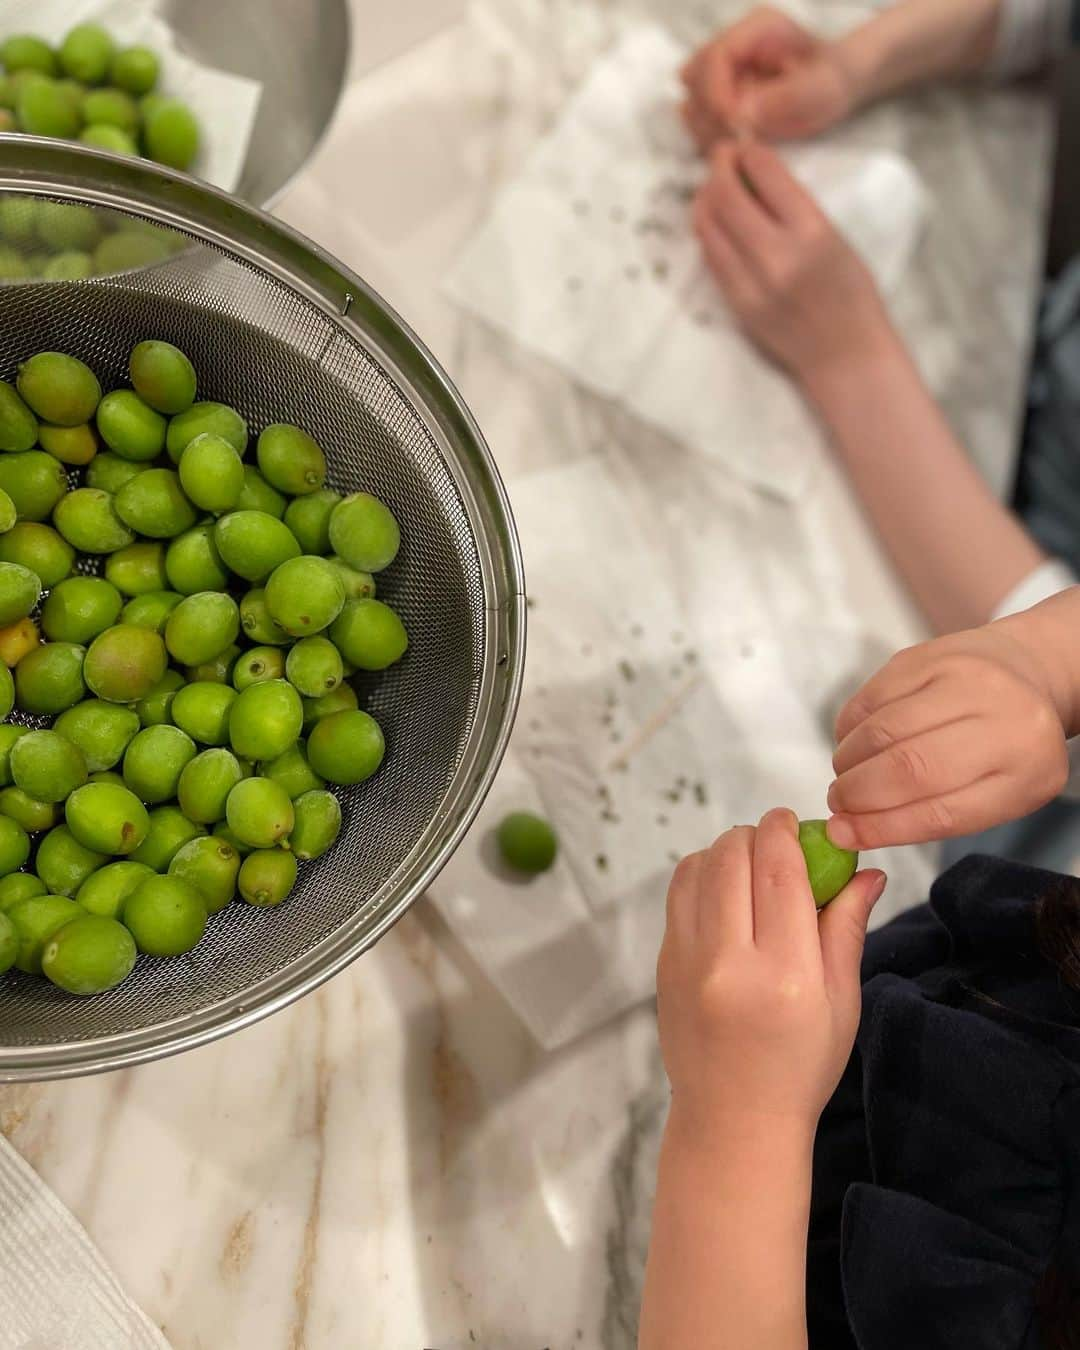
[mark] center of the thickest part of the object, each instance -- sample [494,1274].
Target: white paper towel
[588,259]
[56,1292]
[225,104]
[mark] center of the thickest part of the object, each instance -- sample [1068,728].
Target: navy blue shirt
[947,1165]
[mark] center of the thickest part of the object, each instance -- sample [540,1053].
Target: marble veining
[392,1163]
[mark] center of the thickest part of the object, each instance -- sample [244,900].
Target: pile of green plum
[65,241]
[89,89]
[195,667]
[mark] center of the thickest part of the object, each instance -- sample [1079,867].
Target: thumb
[842,930]
[785,108]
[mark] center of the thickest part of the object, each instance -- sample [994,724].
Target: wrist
[704,1136]
[869,355]
[862,57]
[1047,633]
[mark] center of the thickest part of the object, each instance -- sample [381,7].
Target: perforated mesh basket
[282,332]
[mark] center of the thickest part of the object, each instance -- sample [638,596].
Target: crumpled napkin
[56,1292]
[225,104]
[587,258]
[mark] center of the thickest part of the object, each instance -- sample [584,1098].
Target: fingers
[775,186]
[728,266]
[898,721]
[988,801]
[905,674]
[928,764]
[735,209]
[682,901]
[725,903]
[842,933]
[785,920]
[702,126]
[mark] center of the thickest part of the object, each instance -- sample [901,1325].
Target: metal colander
[282,332]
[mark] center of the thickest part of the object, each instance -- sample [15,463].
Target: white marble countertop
[392,1164]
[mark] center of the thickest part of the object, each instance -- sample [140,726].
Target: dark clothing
[947,1165]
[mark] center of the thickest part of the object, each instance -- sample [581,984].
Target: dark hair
[1057,929]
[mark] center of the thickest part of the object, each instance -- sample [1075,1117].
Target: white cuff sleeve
[1050,578]
[1030,34]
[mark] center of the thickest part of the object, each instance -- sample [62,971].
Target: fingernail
[830,796]
[840,832]
[877,890]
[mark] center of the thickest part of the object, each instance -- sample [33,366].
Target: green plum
[192,562]
[34,481]
[211,865]
[527,842]
[201,627]
[267,876]
[47,766]
[364,533]
[59,388]
[138,568]
[124,663]
[317,824]
[155,504]
[20,590]
[101,731]
[50,678]
[252,543]
[305,595]
[88,520]
[89,955]
[203,710]
[369,635]
[309,519]
[829,868]
[290,460]
[169,831]
[259,812]
[265,720]
[63,863]
[165,915]
[347,747]
[154,761]
[129,427]
[80,608]
[105,891]
[200,419]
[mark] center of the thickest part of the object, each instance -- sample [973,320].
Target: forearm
[727,1256]
[914,41]
[959,550]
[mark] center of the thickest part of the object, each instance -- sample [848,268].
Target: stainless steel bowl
[298,51]
[283,332]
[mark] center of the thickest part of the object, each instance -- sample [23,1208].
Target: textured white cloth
[226,104]
[588,259]
[1030,34]
[56,1292]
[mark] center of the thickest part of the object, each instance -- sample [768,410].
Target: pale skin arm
[758,1006]
[727,1257]
[958,548]
[804,296]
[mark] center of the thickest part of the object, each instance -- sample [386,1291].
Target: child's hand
[794,283]
[767,76]
[950,737]
[759,998]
